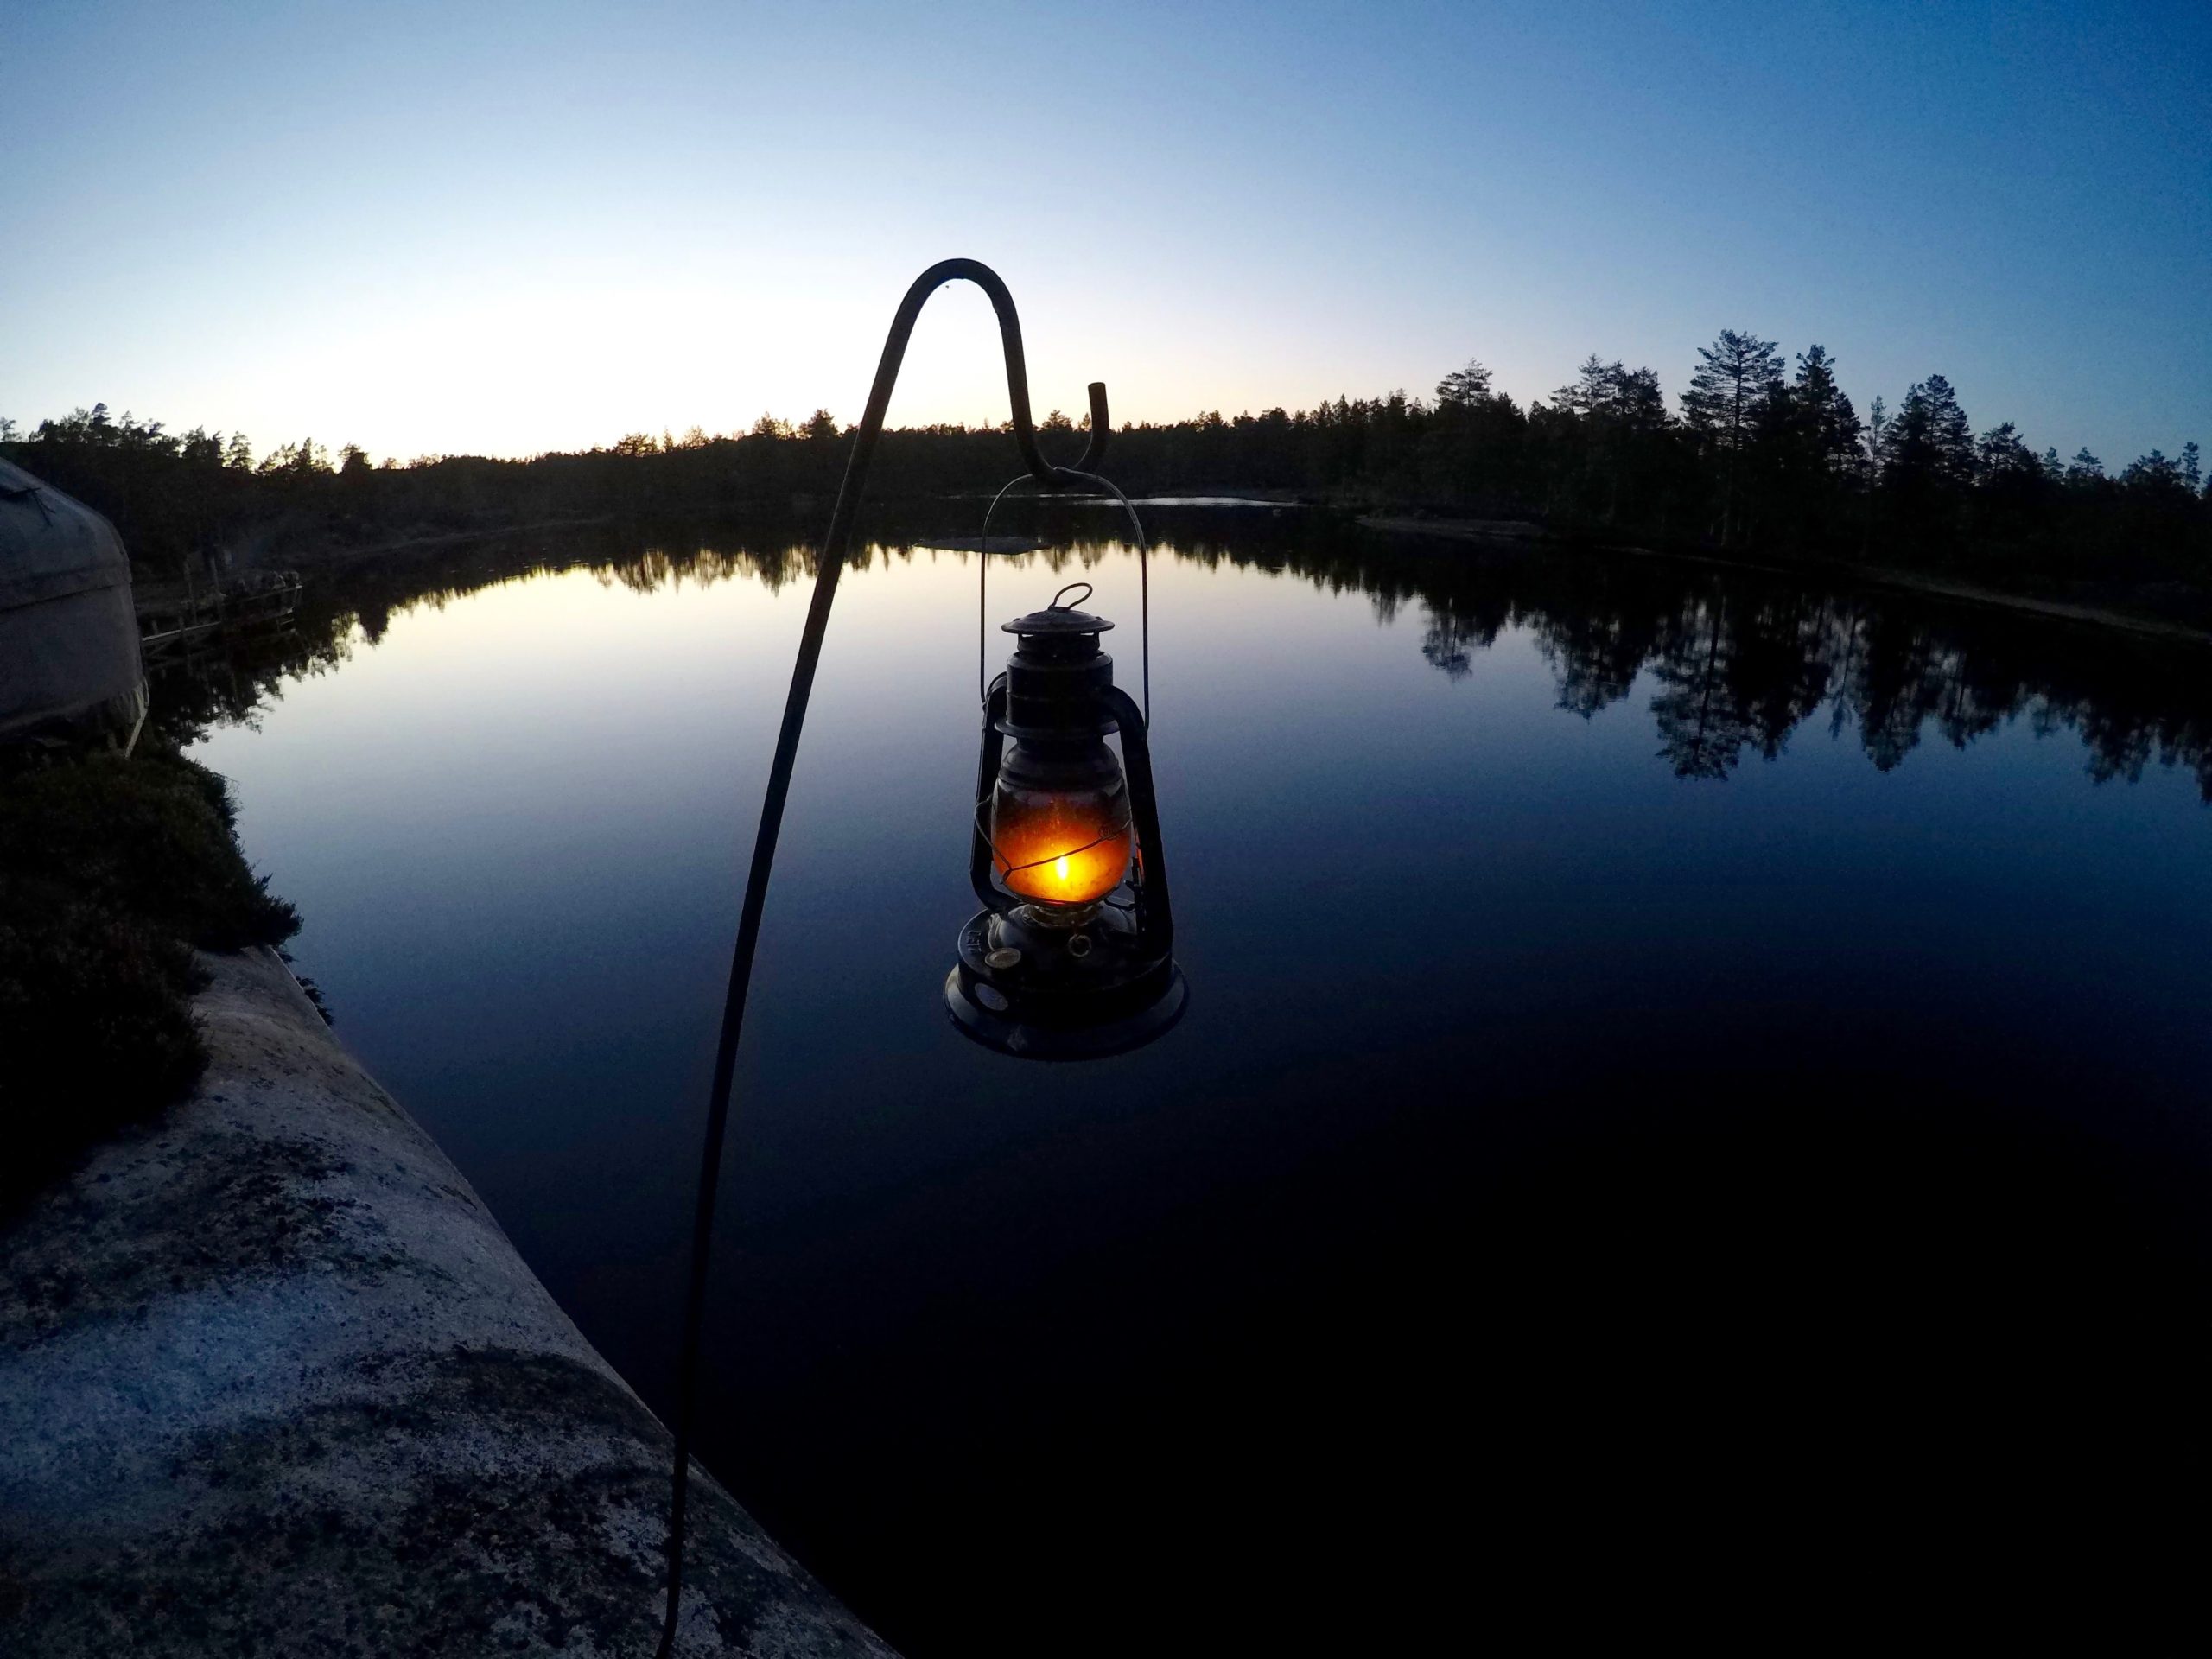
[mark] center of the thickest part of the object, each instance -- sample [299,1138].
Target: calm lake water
[1697,1088]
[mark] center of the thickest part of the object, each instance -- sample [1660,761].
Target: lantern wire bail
[1144,577]
[835,545]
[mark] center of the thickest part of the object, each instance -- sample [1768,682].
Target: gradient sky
[465,228]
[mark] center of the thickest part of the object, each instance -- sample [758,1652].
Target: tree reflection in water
[1742,659]
[1738,660]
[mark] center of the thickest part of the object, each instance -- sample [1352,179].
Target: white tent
[68,631]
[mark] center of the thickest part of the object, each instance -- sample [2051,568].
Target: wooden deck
[175,617]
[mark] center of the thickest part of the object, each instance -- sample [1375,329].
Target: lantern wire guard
[835,545]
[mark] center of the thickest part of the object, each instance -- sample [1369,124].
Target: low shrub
[111,872]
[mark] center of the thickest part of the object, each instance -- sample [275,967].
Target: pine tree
[2153,474]
[1874,457]
[1877,447]
[1735,377]
[1825,420]
[1953,434]
[1589,391]
[1614,412]
[1463,388]
[1930,442]
[2001,455]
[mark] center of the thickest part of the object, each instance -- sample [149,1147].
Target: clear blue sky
[459,228]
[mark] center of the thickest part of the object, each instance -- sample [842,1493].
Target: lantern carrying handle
[1087,591]
[834,546]
[1144,583]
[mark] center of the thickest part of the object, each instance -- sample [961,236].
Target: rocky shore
[272,1380]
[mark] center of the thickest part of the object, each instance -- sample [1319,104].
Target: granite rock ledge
[273,1380]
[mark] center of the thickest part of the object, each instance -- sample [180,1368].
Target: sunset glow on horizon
[504,231]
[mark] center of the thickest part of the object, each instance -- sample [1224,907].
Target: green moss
[111,871]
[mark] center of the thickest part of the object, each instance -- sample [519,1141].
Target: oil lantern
[1071,955]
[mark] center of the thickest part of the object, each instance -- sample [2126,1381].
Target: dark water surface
[1697,1096]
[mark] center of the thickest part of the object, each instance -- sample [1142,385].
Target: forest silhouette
[1757,455]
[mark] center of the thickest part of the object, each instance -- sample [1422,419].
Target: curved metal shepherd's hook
[834,546]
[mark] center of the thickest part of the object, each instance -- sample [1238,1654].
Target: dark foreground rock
[272,1380]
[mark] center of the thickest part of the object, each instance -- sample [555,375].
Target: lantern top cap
[1050,621]
[1058,619]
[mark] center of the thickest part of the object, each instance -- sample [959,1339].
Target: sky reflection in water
[1566,1089]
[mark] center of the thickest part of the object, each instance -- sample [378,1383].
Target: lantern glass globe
[1061,845]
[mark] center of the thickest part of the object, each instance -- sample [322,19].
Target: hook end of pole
[1101,426]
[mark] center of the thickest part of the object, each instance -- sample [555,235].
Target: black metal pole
[834,545]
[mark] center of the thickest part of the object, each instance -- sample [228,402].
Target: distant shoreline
[2115,612]
[1523,532]
[341,555]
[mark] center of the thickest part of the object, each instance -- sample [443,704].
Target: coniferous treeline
[1757,455]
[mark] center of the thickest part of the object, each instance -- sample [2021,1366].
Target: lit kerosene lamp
[1071,955]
